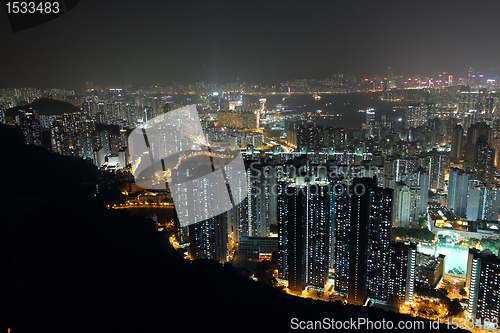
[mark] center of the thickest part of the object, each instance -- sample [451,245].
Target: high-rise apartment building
[262,198]
[424,184]
[458,185]
[483,203]
[402,273]
[401,206]
[362,223]
[473,133]
[417,115]
[303,232]
[436,167]
[484,161]
[30,125]
[483,280]
[456,143]
[208,239]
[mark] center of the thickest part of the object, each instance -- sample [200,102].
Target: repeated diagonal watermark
[170,151]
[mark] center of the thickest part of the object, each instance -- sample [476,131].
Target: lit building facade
[483,203]
[240,119]
[416,115]
[456,143]
[483,280]
[484,161]
[436,167]
[401,203]
[402,273]
[458,185]
[424,184]
[303,231]
[362,237]
[32,130]
[208,239]
[262,198]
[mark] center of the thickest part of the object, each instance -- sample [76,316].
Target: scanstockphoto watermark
[204,180]
[319,171]
[312,189]
[360,324]
[316,182]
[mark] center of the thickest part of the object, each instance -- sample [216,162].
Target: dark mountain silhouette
[44,106]
[67,264]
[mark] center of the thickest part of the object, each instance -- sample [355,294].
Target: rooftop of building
[429,262]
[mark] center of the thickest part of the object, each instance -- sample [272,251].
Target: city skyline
[335,83]
[249,165]
[426,161]
[125,43]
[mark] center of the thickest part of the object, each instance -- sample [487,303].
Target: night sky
[118,42]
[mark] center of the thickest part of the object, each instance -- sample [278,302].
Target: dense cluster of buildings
[321,229]
[325,210]
[324,234]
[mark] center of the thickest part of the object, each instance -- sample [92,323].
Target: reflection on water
[346,105]
[456,256]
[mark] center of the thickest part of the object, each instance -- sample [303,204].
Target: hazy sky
[150,42]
